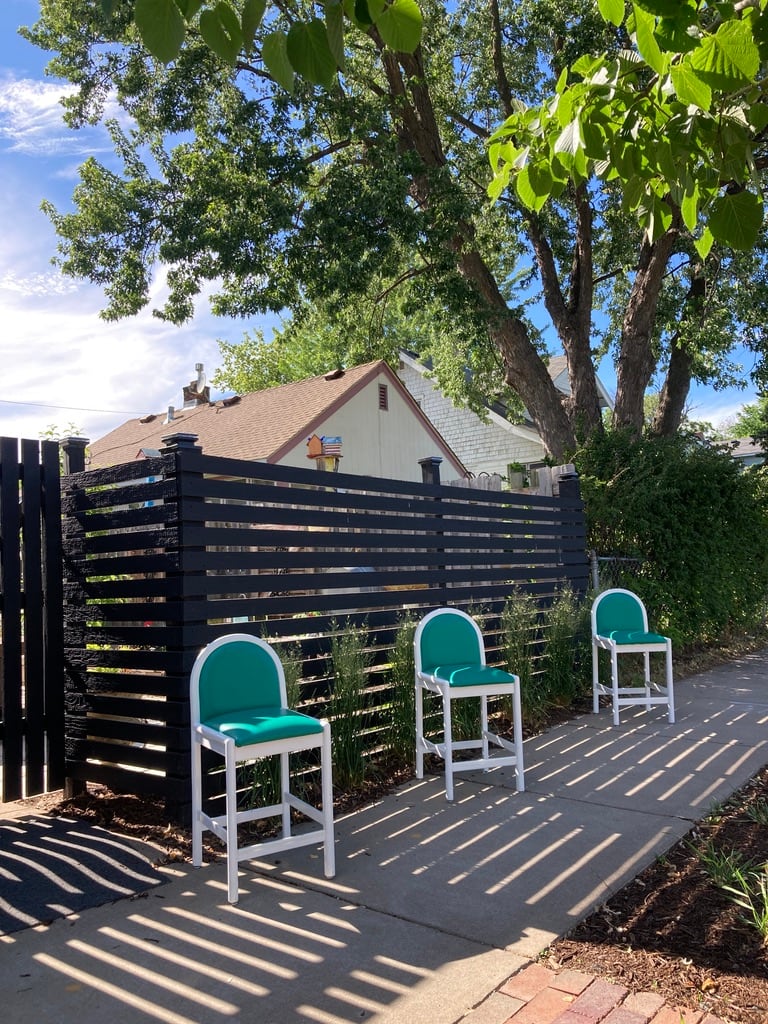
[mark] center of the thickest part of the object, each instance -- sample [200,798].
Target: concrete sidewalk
[437,909]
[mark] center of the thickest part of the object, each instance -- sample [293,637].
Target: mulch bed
[674,932]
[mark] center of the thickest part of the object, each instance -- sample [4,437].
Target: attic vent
[334,374]
[383,397]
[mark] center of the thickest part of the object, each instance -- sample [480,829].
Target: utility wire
[70,408]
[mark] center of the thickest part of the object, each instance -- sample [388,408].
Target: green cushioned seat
[264,725]
[635,636]
[471,675]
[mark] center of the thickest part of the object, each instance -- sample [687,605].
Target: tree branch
[497,43]
[329,150]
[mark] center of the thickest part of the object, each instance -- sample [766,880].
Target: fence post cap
[179,442]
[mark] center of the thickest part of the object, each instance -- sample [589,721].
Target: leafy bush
[347,705]
[697,525]
[402,732]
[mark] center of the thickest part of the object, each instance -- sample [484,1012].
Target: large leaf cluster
[696,524]
[312,47]
[678,117]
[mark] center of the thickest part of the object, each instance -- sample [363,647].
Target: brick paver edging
[536,994]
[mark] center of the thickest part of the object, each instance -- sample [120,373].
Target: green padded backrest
[618,611]
[449,639]
[236,676]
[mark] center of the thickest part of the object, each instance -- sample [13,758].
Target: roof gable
[261,425]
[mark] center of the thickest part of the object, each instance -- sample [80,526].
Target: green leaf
[612,11]
[570,138]
[108,7]
[736,219]
[672,35]
[634,192]
[400,25]
[189,8]
[253,12]
[704,244]
[757,113]
[310,53]
[646,40]
[220,28]
[525,190]
[362,14]
[274,51]
[664,8]
[161,27]
[689,208]
[690,88]
[334,27]
[729,58]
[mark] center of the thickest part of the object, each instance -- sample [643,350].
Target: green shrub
[566,664]
[350,664]
[520,634]
[697,525]
[402,725]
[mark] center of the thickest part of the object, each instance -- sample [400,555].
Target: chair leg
[484,727]
[448,740]
[285,791]
[517,732]
[419,700]
[231,813]
[326,772]
[595,679]
[670,685]
[615,685]
[647,667]
[197,804]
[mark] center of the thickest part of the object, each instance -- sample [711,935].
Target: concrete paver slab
[281,955]
[513,870]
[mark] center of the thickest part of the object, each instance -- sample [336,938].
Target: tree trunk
[677,383]
[524,369]
[637,361]
[573,318]
[674,393]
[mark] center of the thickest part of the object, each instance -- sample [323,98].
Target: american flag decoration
[331,446]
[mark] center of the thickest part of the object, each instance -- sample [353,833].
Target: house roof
[557,367]
[261,425]
[745,448]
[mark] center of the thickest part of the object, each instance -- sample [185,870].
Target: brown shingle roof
[261,425]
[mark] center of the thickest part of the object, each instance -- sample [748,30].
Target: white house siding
[376,442]
[482,447]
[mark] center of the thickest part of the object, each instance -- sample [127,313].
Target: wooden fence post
[184,576]
[74,683]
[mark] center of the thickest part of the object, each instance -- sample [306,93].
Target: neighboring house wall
[483,447]
[747,453]
[379,442]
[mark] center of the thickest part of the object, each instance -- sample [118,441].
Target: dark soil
[672,930]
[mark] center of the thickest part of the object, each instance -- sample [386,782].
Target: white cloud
[31,120]
[51,283]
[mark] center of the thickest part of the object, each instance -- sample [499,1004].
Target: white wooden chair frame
[225,826]
[630,696]
[445,748]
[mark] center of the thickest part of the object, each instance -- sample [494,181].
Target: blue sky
[61,364]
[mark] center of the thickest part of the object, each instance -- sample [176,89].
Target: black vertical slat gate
[31,640]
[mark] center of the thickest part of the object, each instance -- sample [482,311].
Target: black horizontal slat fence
[31,685]
[165,554]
